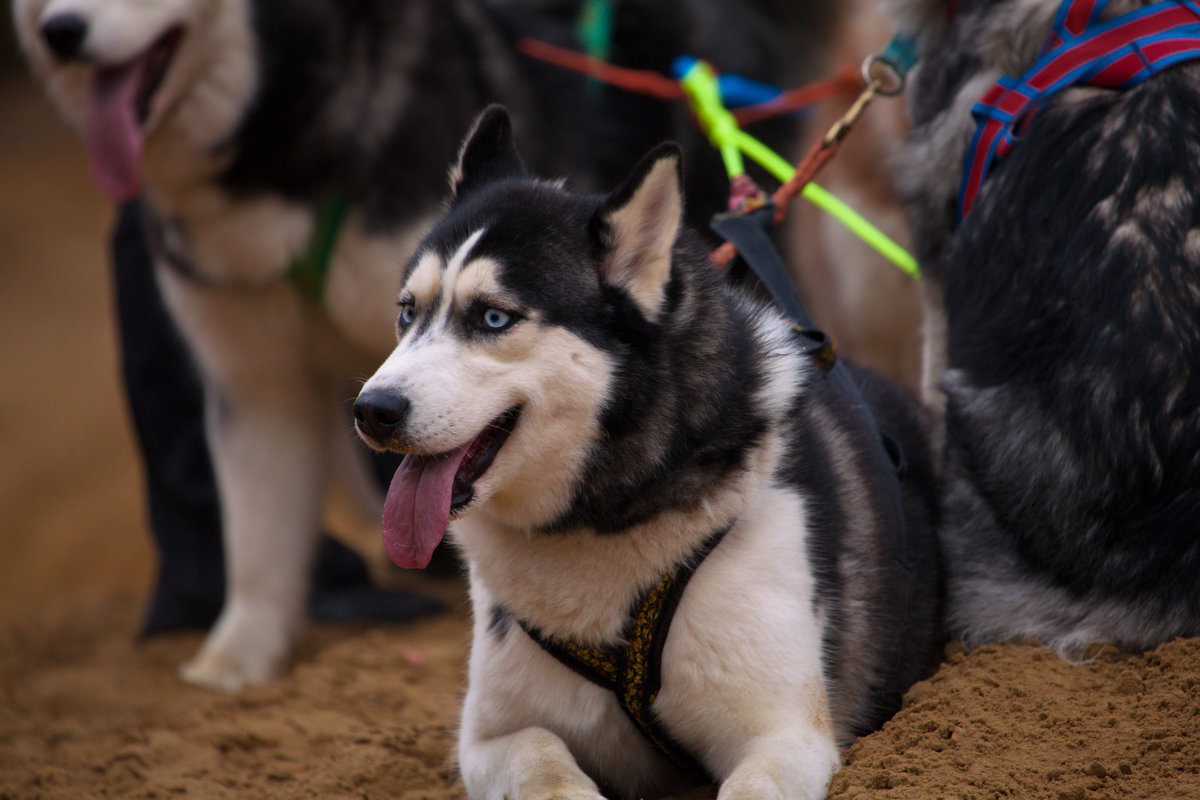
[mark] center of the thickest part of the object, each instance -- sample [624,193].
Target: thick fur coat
[1071,300]
[575,387]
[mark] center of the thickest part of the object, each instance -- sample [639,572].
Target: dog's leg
[794,765]
[502,754]
[531,764]
[267,428]
[758,709]
[769,739]
[269,457]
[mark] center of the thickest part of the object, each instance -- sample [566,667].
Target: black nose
[64,34]
[380,414]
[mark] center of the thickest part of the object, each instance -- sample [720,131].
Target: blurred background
[72,529]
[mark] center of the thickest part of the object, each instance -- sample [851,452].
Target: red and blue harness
[1081,51]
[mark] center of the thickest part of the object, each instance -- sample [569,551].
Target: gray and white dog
[1071,300]
[239,121]
[600,415]
[249,126]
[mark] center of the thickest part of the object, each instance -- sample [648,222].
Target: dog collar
[633,672]
[309,270]
[1081,51]
[167,240]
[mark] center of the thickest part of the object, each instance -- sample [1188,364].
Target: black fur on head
[488,154]
[622,272]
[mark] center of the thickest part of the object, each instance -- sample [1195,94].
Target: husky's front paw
[240,652]
[530,764]
[787,768]
[553,777]
[565,791]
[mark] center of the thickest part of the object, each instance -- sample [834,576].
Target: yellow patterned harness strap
[634,672]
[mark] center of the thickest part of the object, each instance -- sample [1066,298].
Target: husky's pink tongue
[417,508]
[114,136]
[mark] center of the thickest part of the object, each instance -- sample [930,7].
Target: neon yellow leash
[704,96]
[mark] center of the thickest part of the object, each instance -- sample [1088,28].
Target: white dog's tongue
[417,508]
[114,136]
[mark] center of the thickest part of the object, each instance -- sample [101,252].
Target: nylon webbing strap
[310,270]
[634,672]
[748,233]
[1081,51]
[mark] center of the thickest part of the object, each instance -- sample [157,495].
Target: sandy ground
[368,711]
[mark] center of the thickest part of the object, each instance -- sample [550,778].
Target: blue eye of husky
[408,312]
[493,319]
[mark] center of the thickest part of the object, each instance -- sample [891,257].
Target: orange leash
[846,79]
[634,80]
[653,84]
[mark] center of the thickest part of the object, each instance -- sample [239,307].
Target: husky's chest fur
[731,607]
[576,388]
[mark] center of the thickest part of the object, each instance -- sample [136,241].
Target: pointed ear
[637,226]
[488,154]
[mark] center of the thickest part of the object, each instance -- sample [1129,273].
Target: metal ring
[888,84]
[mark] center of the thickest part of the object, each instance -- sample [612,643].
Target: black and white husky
[604,419]
[1071,305]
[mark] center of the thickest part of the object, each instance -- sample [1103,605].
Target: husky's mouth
[118,107]
[427,490]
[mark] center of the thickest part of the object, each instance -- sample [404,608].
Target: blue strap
[1172,38]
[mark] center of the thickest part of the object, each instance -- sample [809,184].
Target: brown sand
[368,711]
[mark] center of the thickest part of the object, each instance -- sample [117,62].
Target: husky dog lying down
[682,563]
[1071,301]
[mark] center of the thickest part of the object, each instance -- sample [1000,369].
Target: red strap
[1080,15]
[1116,54]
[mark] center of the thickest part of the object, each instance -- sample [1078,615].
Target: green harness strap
[310,270]
[634,672]
[594,28]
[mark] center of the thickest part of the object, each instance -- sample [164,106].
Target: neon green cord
[594,28]
[872,236]
[700,85]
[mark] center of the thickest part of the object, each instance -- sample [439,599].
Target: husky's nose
[64,34]
[379,414]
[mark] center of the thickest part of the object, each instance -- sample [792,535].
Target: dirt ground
[368,711]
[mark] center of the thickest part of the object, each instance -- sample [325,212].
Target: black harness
[633,671]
